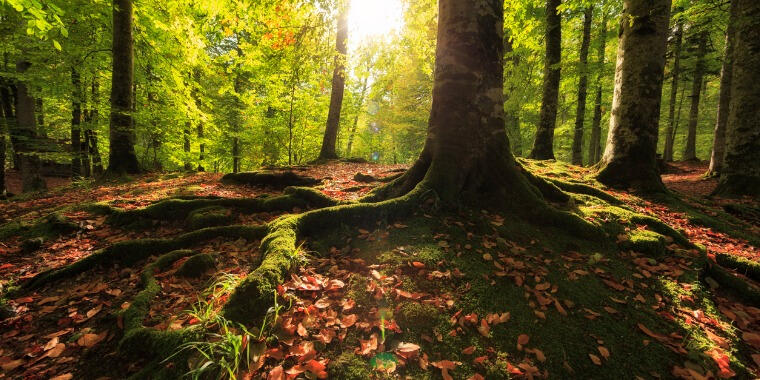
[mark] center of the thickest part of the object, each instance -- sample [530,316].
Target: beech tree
[543,145]
[122,158]
[630,157]
[667,154]
[690,151]
[580,112]
[338,84]
[594,144]
[741,171]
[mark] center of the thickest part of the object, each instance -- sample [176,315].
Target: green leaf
[57,45]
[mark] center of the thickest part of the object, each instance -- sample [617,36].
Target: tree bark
[630,158]
[3,129]
[122,158]
[92,137]
[667,154]
[186,146]
[594,144]
[741,170]
[76,124]
[26,133]
[338,83]
[543,145]
[40,112]
[690,151]
[721,120]
[580,112]
[355,124]
[512,114]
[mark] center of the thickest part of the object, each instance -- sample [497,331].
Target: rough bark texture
[667,154]
[741,172]
[92,138]
[690,152]
[26,135]
[543,145]
[338,83]
[721,120]
[76,124]
[594,144]
[580,112]
[9,120]
[3,129]
[630,159]
[512,114]
[355,124]
[122,158]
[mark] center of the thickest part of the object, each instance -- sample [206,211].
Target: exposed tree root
[740,287]
[579,188]
[277,180]
[744,266]
[127,253]
[51,225]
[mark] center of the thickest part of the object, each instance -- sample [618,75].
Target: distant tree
[630,156]
[690,151]
[543,145]
[338,84]
[580,112]
[594,144]
[25,132]
[667,154]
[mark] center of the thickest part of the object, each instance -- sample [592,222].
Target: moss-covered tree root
[127,253]
[736,284]
[740,264]
[277,180]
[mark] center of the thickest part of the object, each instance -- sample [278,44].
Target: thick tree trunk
[721,120]
[543,145]
[594,144]
[667,154]
[466,154]
[26,133]
[580,112]
[355,124]
[122,158]
[690,151]
[741,170]
[92,137]
[76,124]
[338,83]
[630,159]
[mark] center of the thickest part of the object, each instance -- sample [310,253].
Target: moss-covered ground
[172,276]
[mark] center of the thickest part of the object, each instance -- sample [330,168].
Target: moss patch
[350,367]
[208,217]
[197,265]
[647,242]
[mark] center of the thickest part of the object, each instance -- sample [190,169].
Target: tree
[690,151]
[338,83]
[594,144]
[741,172]
[122,158]
[667,154]
[543,145]
[580,113]
[76,124]
[25,132]
[630,157]
[719,139]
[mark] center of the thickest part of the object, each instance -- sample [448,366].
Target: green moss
[50,226]
[579,188]
[197,265]
[31,245]
[742,265]
[417,316]
[349,366]
[647,242]
[208,217]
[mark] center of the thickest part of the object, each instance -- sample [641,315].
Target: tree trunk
[338,83]
[8,98]
[667,154]
[122,158]
[235,154]
[721,120]
[630,159]
[76,124]
[580,112]
[3,129]
[26,133]
[186,147]
[512,114]
[594,144]
[355,124]
[690,152]
[466,154]
[741,166]
[92,137]
[40,112]
[543,145]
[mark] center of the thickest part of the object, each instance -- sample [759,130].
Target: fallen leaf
[604,352]
[468,350]
[522,340]
[595,359]
[56,351]
[65,376]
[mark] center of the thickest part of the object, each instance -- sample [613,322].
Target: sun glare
[372,19]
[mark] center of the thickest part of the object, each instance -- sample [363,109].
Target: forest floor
[474,294]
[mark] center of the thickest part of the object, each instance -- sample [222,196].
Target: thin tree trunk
[512,114]
[122,157]
[594,144]
[543,145]
[76,124]
[3,129]
[667,154]
[355,124]
[290,118]
[235,154]
[741,166]
[26,132]
[40,112]
[690,151]
[580,112]
[630,158]
[186,146]
[338,83]
[6,102]
[721,120]
[92,137]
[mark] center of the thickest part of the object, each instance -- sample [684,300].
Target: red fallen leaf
[407,350]
[595,359]
[367,346]
[322,303]
[52,343]
[539,354]
[410,295]
[316,368]
[275,353]
[11,365]
[522,340]
[56,351]
[302,330]
[276,373]
[9,265]
[752,338]
[23,300]
[476,376]
[348,304]
[472,318]
[325,335]
[65,376]
[418,264]
[445,366]
[295,371]
[469,350]
[90,340]
[348,321]
[513,370]
[604,352]
[334,285]
[756,359]
[484,329]
[723,362]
